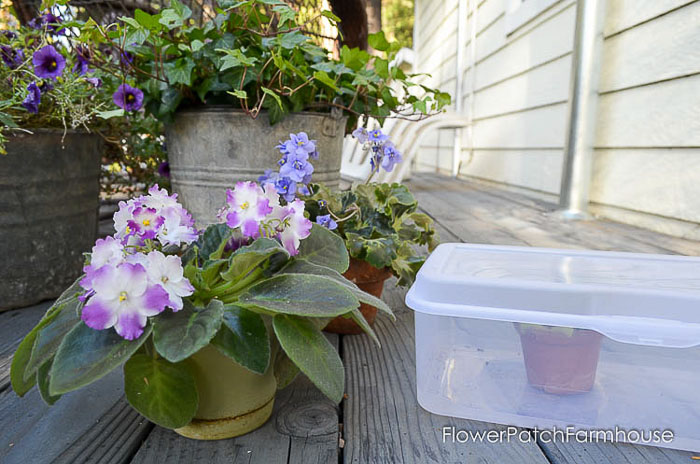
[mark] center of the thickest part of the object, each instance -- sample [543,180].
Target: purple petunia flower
[128,98]
[51,21]
[48,63]
[13,57]
[95,81]
[33,100]
[164,169]
[326,222]
[82,63]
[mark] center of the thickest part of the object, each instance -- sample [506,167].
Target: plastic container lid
[642,299]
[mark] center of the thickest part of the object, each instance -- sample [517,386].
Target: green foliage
[254,55]
[397,21]
[86,355]
[254,302]
[164,392]
[244,339]
[312,353]
[379,224]
[179,335]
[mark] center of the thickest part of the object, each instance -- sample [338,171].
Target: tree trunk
[374,15]
[353,23]
[25,10]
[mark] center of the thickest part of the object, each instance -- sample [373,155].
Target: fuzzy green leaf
[164,392]
[179,335]
[247,258]
[312,353]
[86,355]
[302,295]
[324,248]
[244,339]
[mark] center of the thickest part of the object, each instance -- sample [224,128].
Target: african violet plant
[379,222]
[255,56]
[158,291]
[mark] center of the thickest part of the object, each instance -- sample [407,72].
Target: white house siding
[647,159]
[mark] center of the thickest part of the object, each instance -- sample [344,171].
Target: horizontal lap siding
[648,135]
[647,162]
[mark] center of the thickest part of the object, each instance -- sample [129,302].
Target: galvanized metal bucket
[211,149]
[49,201]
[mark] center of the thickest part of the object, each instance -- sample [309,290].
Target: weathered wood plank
[94,424]
[529,220]
[382,420]
[13,326]
[303,428]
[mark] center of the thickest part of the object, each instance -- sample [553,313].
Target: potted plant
[211,82]
[378,222]
[50,99]
[560,360]
[207,325]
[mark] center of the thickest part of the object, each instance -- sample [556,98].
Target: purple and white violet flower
[125,284]
[258,213]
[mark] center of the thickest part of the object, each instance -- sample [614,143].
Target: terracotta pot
[558,362]
[371,280]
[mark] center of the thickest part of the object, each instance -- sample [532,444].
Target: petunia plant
[157,291]
[254,55]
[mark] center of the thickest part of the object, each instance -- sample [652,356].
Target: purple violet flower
[296,169]
[326,222]
[287,188]
[48,63]
[13,57]
[128,98]
[360,134]
[9,35]
[33,100]
[391,157]
[376,136]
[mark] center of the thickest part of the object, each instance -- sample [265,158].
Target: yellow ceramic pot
[232,400]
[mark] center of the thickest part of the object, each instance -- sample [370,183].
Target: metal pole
[583,101]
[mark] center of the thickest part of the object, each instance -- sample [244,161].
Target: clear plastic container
[550,339]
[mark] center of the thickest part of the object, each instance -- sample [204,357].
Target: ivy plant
[379,224]
[254,55]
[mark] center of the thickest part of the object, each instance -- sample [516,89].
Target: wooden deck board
[381,421]
[303,428]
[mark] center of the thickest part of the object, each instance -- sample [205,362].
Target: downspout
[459,91]
[583,102]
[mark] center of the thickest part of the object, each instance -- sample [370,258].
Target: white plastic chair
[405,135]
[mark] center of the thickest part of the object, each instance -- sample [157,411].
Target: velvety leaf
[163,392]
[312,353]
[285,370]
[23,354]
[21,358]
[49,337]
[324,248]
[179,335]
[210,244]
[299,266]
[247,258]
[302,295]
[86,355]
[42,380]
[243,337]
[357,316]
